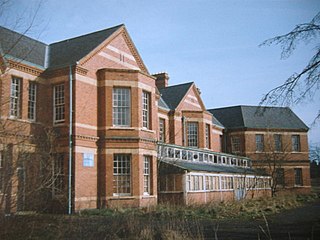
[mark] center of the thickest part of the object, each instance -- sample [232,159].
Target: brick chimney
[162,79]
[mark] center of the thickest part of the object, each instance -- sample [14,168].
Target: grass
[160,222]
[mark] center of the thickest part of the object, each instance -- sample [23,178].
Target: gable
[192,101]
[118,51]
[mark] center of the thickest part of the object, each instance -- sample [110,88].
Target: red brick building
[85,125]
[274,138]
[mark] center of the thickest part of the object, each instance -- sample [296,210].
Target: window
[15,97]
[195,183]
[207,136]
[192,132]
[259,143]
[295,141]
[280,176]
[88,160]
[235,144]
[58,101]
[146,174]
[58,174]
[32,101]
[121,175]
[277,142]
[121,107]
[298,176]
[162,130]
[212,183]
[145,109]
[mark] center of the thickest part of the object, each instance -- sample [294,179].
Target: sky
[213,43]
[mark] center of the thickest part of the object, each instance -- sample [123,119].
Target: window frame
[15,97]
[147,175]
[122,175]
[59,102]
[162,130]
[146,97]
[58,185]
[121,107]
[207,135]
[298,178]
[295,143]
[259,142]
[235,145]
[87,159]
[32,101]
[277,139]
[280,175]
[192,134]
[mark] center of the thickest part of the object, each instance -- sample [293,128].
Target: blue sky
[211,42]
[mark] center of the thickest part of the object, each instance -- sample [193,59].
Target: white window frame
[32,101]
[277,142]
[146,175]
[235,144]
[121,106]
[162,130]
[295,141]
[59,103]
[259,142]
[58,175]
[298,177]
[146,109]
[122,175]
[207,132]
[88,160]
[192,134]
[15,97]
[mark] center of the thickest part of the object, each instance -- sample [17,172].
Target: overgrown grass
[160,222]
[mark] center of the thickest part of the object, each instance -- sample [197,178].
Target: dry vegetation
[161,222]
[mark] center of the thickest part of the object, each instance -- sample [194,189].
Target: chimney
[162,79]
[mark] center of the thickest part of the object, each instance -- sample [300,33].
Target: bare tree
[304,84]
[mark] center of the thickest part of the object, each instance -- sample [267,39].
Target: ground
[205,222]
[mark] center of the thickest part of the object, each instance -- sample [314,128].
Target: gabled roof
[14,45]
[162,104]
[174,94]
[60,54]
[258,117]
[216,122]
[211,168]
[72,50]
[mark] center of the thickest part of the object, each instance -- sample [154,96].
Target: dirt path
[300,223]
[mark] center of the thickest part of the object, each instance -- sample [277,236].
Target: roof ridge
[87,34]
[177,85]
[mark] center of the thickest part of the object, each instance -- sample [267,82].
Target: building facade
[85,125]
[274,138]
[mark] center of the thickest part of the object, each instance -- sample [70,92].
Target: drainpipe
[70,141]
[184,119]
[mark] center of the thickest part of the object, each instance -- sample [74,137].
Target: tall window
[235,144]
[146,174]
[207,136]
[58,174]
[192,133]
[259,143]
[277,142]
[15,97]
[162,130]
[32,101]
[121,107]
[298,176]
[145,109]
[280,176]
[59,103]
[295,141]
[121,175]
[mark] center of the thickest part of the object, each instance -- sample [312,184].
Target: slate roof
[212,168]
[14,45]
[174,94]
[59,54]
[258,117]
[216,122]
[163,104]
[72,50]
